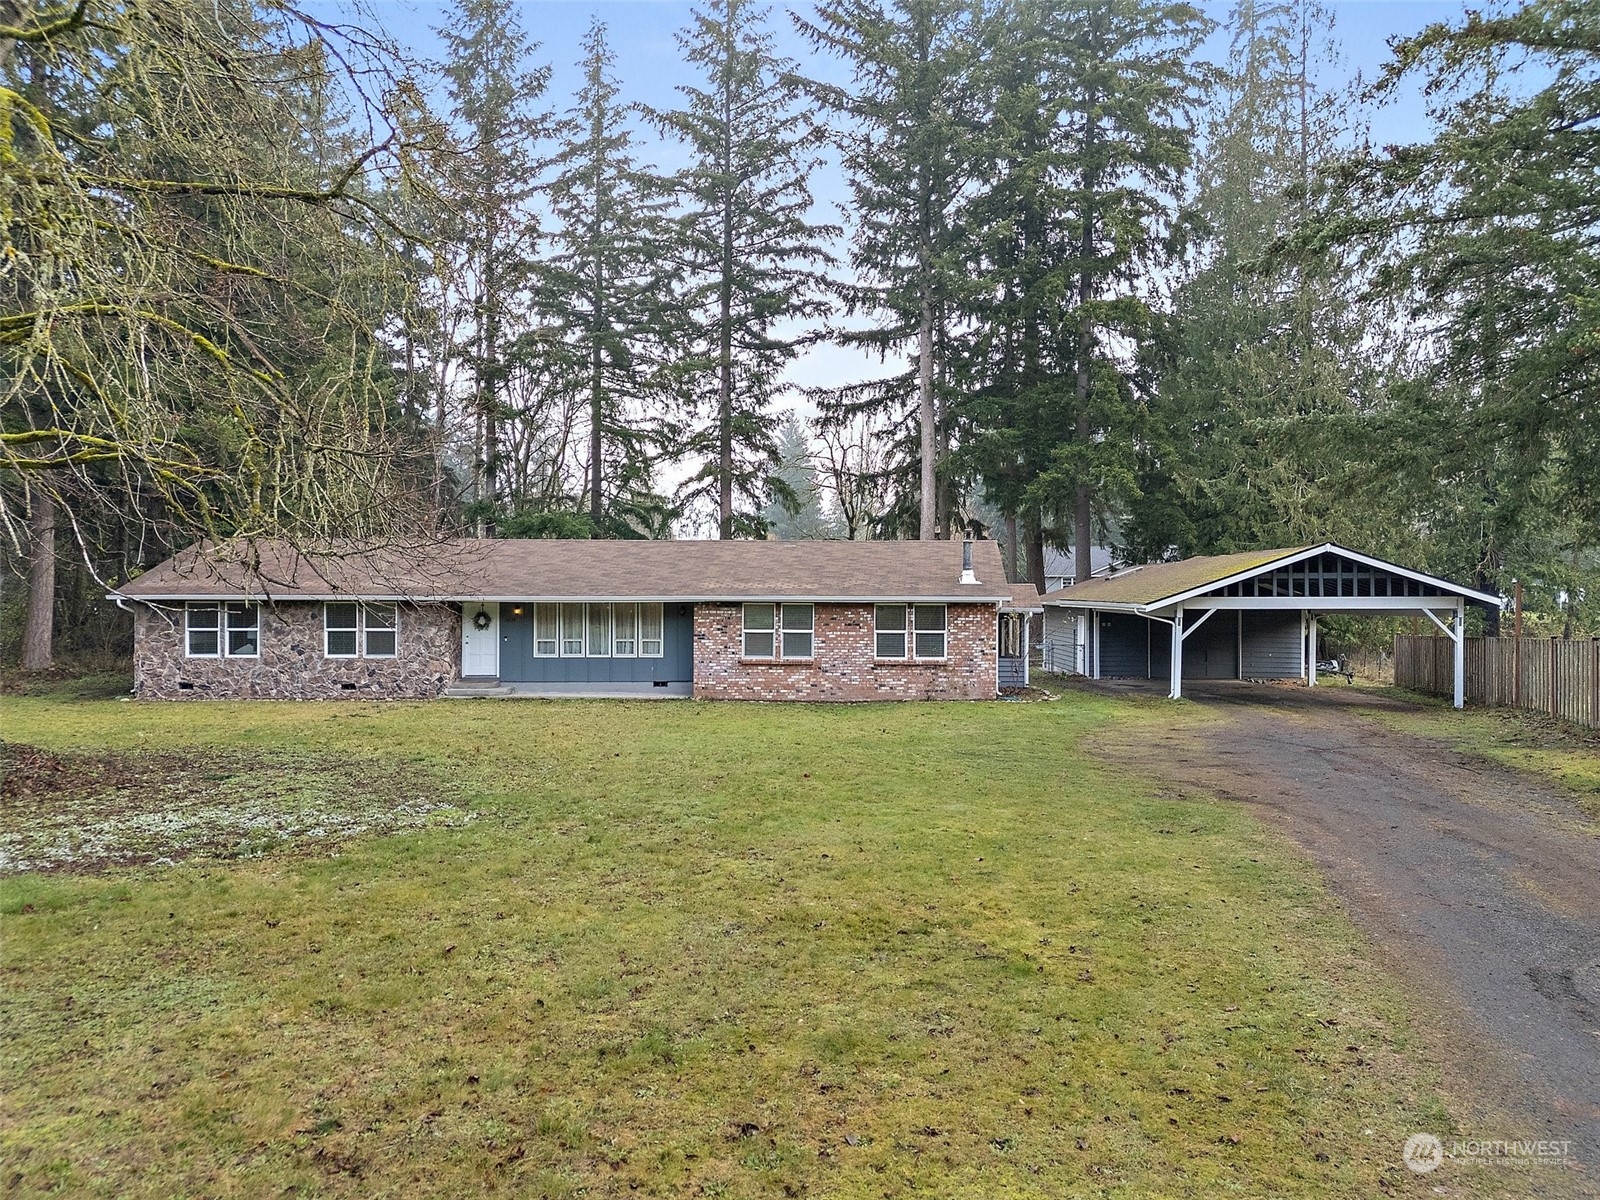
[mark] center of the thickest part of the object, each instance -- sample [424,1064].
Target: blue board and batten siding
[519,664]
[1272,645]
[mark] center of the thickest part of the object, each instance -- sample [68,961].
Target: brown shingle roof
[467,568]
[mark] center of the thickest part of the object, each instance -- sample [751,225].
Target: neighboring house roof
[489,569]
[1161,584]
[1062,564]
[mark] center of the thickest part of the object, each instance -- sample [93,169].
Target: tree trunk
[1035,538]
[596,401]
[725,382]
[929,501]
[1013,554]
[39,630]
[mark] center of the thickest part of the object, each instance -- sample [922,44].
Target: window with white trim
[889,622]
[572,628]
[599,630]
[381,630]
[244,631]
[625,631]
[546,630]
[341,623]
[928,628]
[202,630]
[799,626]
[760,633]
[910,631]
[650,630]
[351,630]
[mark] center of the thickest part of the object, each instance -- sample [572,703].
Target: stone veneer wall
[843,666]
[291,665]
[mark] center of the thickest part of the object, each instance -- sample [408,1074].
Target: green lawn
[694,949]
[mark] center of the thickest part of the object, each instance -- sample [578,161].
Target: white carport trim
[1444,585]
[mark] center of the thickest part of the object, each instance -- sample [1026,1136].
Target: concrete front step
[473,691]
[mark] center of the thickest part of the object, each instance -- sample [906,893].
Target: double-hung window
[799,626]
[572,627]
[910,631]
[244,631]
[341,626]
[782,631]
[760,630]
[202,630]
[351,630]
[624,626]
[890,621]
[546,630]
[222,630]
[928,624]
[599,631]
[650,623]
[381,630]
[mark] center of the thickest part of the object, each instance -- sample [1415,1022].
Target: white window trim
[394,629]
[943,631]
[329,629]
[661,628]
[226,629]
[775,632]
[220,608]
[904,632]
[359,629]
[583,631]
[533,615]
[782,631]
[632,637]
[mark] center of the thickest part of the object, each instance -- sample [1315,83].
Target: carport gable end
[1175,616]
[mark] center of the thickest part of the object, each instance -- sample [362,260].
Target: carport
[1238,616]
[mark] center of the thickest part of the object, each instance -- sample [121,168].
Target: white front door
[480,639]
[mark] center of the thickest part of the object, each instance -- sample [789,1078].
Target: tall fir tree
[1266,366]
[1482,238]
[611,291]
[1086,155]
[750,253]
[905,137]
[487,235]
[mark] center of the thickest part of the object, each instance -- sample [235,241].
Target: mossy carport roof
[1141,587]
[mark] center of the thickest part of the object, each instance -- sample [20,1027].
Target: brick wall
[843,666]
[291,665]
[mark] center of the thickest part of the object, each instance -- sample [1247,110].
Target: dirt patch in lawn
[89,811]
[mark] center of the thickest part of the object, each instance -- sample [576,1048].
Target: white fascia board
[1445,585]
[1321,604]
[1126,606]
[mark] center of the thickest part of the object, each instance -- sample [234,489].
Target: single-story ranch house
[747,620]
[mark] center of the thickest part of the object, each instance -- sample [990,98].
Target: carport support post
[1176,692]
[1311,658]
[1458,624]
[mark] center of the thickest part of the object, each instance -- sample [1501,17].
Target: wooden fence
[1547,675]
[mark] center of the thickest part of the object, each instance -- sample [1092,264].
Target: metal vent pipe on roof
[967,574]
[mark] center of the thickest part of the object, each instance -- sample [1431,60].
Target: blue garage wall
[1124,646]
[1271,645]
[676,664]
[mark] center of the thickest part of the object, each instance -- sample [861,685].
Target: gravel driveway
[1479,887]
